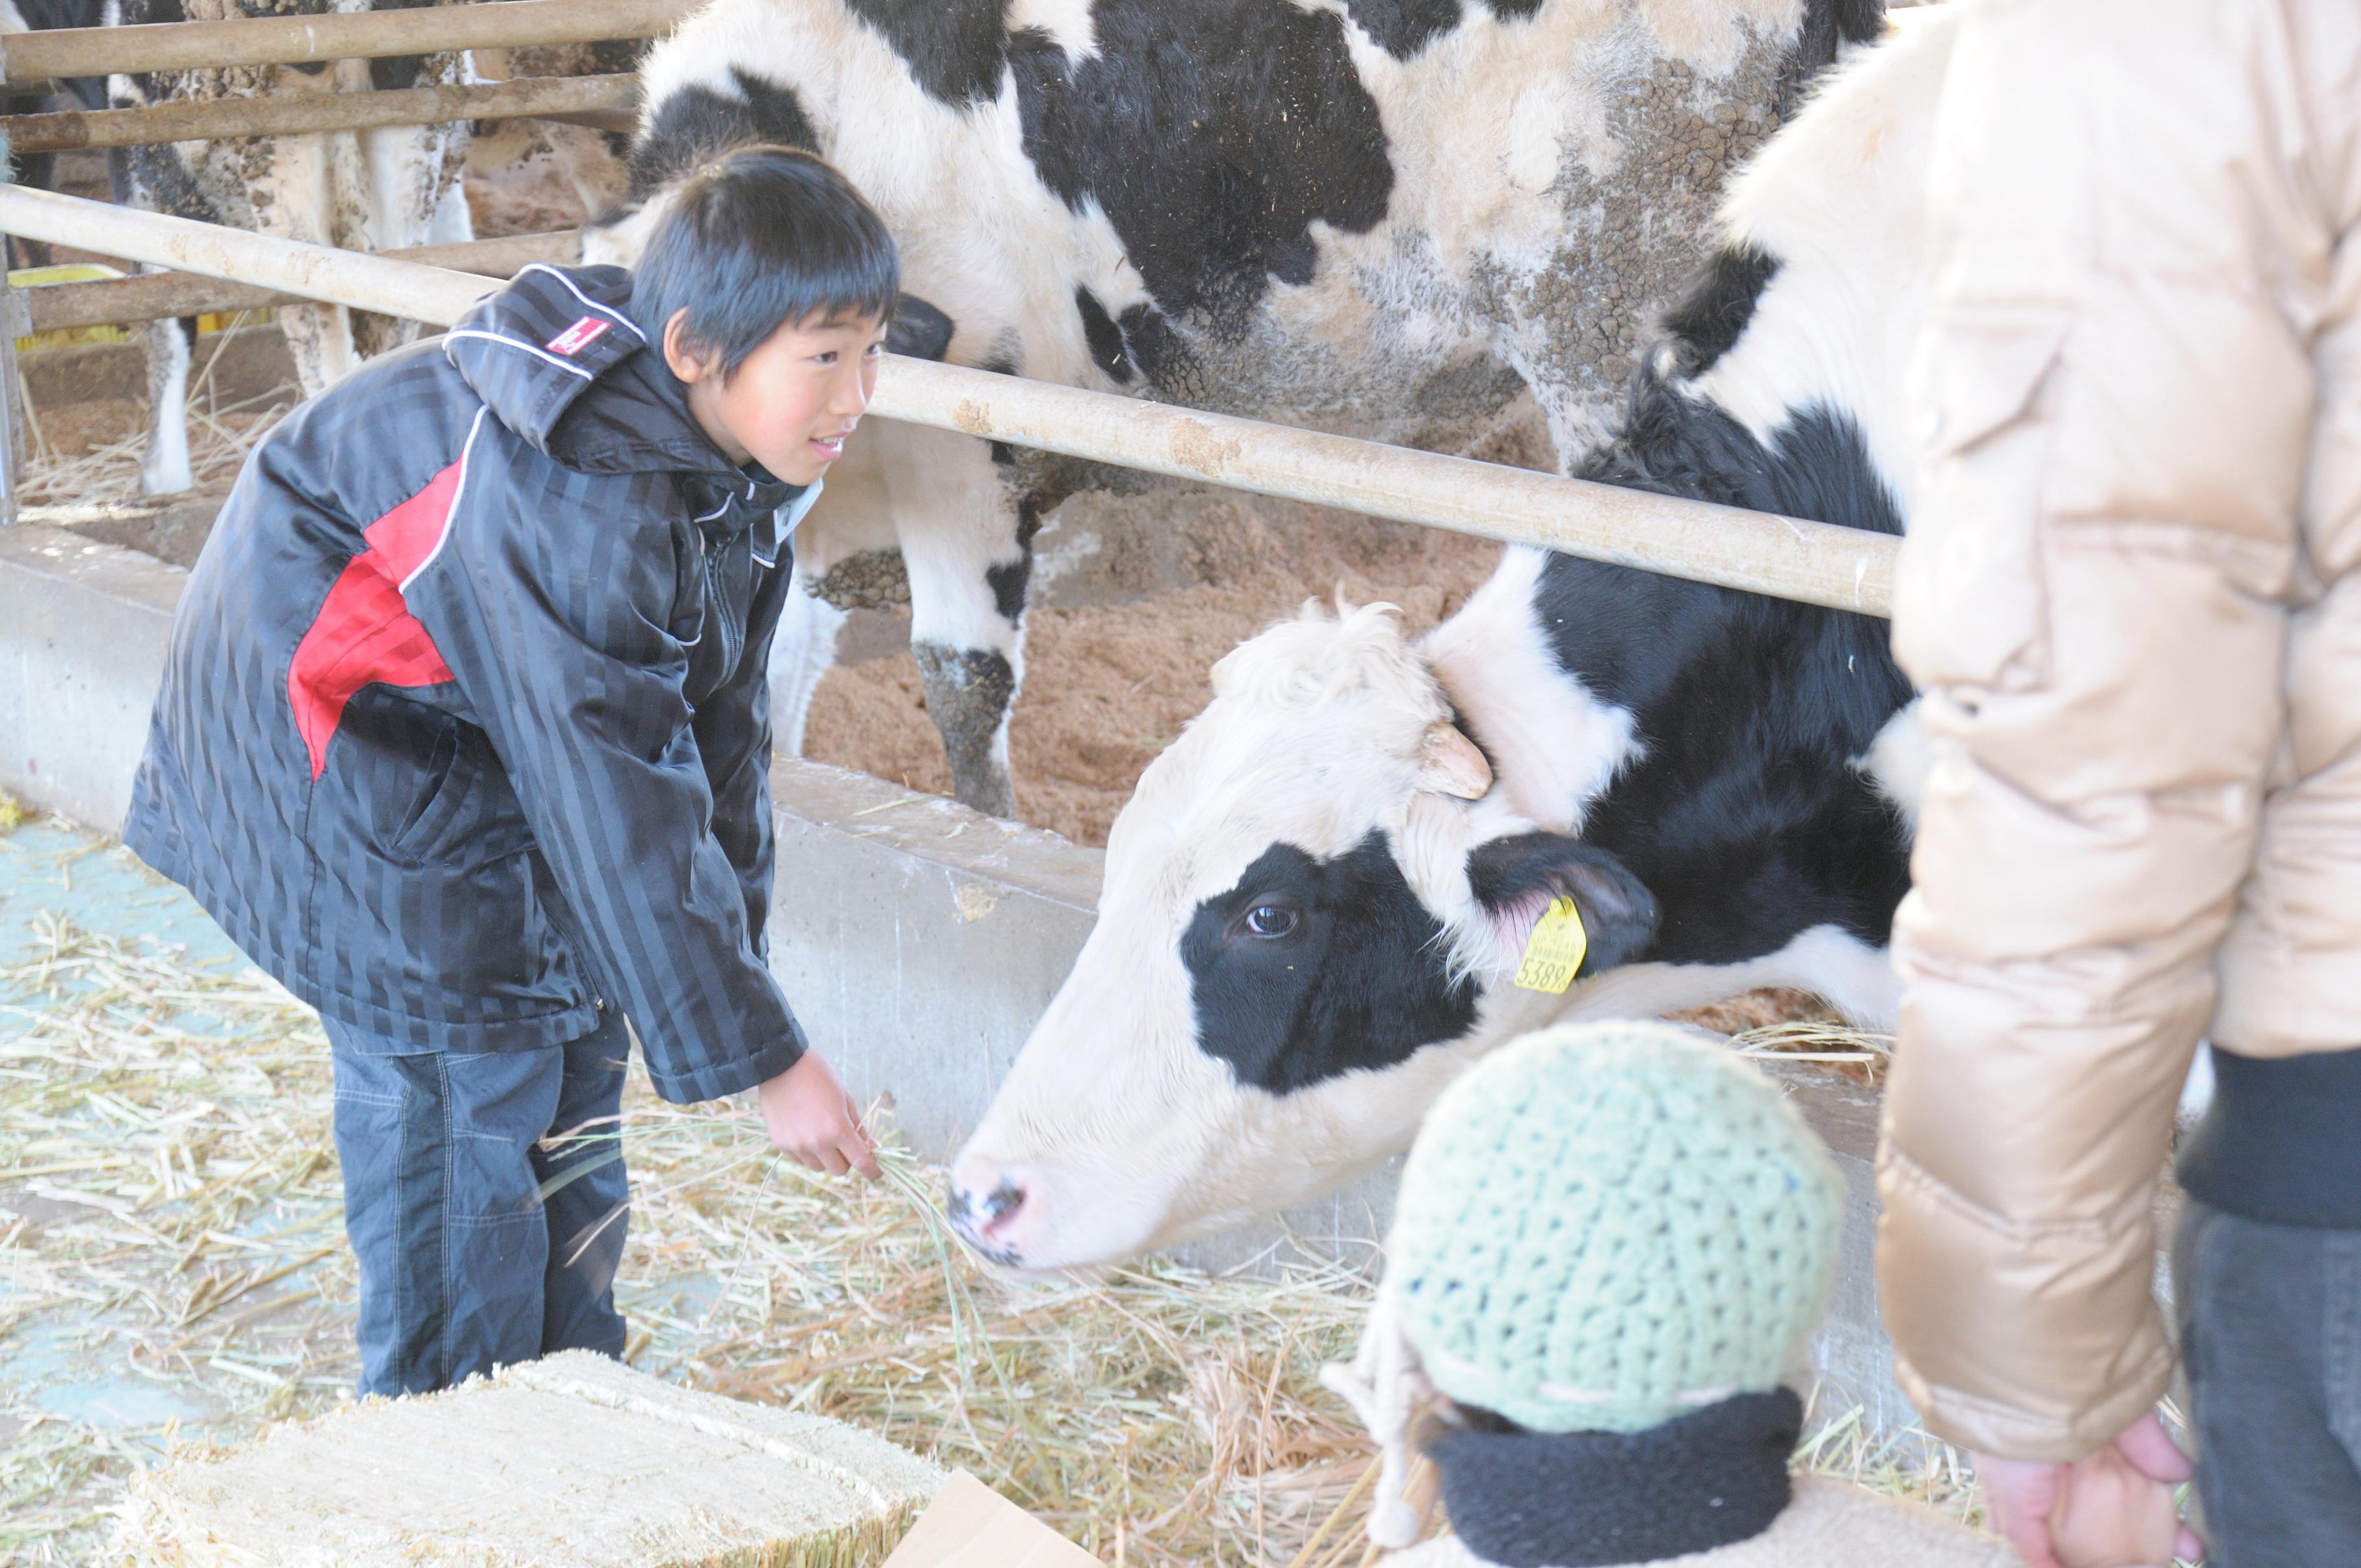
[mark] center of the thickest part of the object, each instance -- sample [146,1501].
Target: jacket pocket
[1971,596]
[472,816]
[1977,372]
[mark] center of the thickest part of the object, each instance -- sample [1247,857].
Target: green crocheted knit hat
[1603,1225]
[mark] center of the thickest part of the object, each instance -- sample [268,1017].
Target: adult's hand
[2110,1509]
[812,1121]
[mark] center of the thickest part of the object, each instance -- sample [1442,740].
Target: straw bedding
[87,453]
[170,1214]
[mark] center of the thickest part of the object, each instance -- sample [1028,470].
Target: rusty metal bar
[216,119]
[296,40]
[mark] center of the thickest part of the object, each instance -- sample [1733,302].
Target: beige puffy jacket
[2130,596]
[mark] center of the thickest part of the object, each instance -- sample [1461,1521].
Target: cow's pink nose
[986,1219]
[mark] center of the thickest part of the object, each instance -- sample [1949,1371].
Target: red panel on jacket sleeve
[364,631]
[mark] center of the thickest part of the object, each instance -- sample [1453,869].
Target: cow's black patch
[1618,913]
[1355,981]
[1741,812]
[1001,364]
[1103,336]
[391,73]
[1213,133]
[1161,354]
[1712,316]
[1828,25]
[1009,580]
[1402,28]
[918,330]
[955,48]
[697,123]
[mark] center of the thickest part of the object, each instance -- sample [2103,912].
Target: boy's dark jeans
[464,1266]
[2271,1338]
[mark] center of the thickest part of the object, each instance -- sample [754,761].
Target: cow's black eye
[1271,920]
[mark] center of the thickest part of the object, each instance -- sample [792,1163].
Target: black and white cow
[1412,220]
[374,189]
[1315,902]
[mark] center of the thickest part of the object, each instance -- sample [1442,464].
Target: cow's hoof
[969,691]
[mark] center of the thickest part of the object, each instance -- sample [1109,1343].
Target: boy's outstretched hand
[811,1120]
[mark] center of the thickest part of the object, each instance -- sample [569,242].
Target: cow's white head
[1313,906]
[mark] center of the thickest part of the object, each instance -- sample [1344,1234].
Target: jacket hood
[558,359]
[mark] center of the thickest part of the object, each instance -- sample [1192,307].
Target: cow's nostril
[1001,1203]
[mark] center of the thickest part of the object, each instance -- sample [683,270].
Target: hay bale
[576,1460]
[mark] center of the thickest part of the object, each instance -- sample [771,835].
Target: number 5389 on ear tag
[1554,952]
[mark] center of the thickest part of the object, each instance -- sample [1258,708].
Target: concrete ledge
[83,631]
[917,939]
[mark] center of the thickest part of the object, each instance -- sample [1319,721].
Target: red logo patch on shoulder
[578,337]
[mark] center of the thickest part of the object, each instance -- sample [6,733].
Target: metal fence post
[15,321]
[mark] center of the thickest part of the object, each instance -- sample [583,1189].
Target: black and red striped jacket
[465,733]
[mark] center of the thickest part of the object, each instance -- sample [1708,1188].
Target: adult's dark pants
[2270,1339]
[465,1264]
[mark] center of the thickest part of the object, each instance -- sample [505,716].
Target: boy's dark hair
[763,237]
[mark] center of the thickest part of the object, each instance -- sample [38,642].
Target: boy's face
[791,403]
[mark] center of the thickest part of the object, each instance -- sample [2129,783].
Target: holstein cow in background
[35,168]
[1412,220]
[376,189]
[1315,902]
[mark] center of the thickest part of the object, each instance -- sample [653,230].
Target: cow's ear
[1516,877]
[917,329]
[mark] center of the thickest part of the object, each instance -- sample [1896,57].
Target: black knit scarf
[1527,1500]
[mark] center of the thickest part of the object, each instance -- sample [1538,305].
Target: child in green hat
[1612,1243]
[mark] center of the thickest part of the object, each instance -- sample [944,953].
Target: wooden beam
[165,296]
[215,119]
[360,34]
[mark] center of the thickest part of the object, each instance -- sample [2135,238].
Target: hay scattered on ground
[80,454]
[171,1218]
[1798,1027]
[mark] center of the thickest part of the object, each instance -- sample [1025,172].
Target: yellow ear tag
[1555,950]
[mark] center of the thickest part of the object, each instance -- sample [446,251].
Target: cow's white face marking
[1147,1108]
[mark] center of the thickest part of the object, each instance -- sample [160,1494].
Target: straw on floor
[221,434]
[174,1117]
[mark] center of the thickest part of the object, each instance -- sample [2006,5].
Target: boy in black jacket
[465,738]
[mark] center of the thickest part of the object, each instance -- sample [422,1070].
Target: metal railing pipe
[1817,562]
[163,296]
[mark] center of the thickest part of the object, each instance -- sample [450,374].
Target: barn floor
[172,1272]
[172,1268]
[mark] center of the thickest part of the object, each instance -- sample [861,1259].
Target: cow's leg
[453,223]
[165,469]
[134,174]
[970,559]
[802,651]
[309,178]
